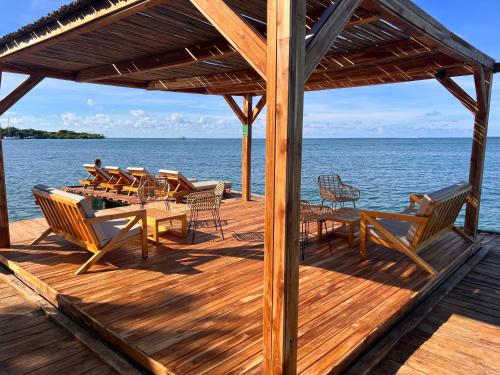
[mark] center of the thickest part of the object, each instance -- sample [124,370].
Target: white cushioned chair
[71,216]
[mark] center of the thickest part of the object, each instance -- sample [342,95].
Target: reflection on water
[386,170]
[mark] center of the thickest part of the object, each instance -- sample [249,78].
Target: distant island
[14,133]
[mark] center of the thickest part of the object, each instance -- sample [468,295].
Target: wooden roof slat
[427,25]
[77,26]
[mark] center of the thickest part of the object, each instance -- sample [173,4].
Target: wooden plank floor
[197,308]
[462,333]
[31,343]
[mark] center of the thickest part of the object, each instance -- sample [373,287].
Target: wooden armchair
[71,217]
[415,228]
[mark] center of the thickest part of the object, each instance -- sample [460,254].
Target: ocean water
[386,170]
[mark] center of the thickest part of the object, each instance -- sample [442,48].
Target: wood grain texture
[244,38]
[484,82]
[461,333]
[198,308]
[31,343]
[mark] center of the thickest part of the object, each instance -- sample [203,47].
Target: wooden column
[483,80]
[246,149]
[285,95]
[4,216]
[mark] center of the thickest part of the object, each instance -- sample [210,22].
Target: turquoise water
[386,170]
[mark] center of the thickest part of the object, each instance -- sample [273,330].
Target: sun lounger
[71,217]
[96,176]
[138,174]
[119,179]
[415,228]
[181,186]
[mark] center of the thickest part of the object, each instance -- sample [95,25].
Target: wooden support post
[246,149]
[484,82]
[285,102]
[4,216]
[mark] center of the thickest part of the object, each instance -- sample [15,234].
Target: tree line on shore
[13,132]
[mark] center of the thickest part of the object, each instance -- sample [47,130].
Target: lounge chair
[139,175]
[71,217]
[96,176]
[415,228]
[119,179]
[181,186]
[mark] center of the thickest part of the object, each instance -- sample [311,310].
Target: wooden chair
[119,179]
[71,217]
[181,186]
[138,175]
[96,176]
[415,228]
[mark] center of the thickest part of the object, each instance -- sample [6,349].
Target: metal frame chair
[206,201]
[312,213]
[332,189]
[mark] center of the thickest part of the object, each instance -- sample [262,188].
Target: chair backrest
[66,214]
[120,174]
[177,181]
[98,173]
[442,207]
[329,187]
[140,174]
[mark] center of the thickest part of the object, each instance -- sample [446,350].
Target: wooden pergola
[273,49]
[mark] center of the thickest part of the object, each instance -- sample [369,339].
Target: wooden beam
[426,25]
[217,49]
[246,150]
[92,19]
[456,91]
[258,108]
[243,37]
[236,109]
[484,82]
[19,92]
[285,103]
[326,30]
[4,214]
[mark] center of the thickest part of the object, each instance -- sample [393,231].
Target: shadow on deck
[198,308]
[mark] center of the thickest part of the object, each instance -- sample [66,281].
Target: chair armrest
[394,216]
[415,198]
[141,213]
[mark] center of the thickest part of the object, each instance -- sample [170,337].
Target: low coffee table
[157,216]
[347,216]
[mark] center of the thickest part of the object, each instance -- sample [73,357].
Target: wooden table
[157,216]
[348,217]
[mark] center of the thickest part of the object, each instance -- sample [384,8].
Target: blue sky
[419,109]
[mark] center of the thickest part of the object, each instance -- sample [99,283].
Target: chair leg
[220,222]
[194,226]
[93,259]
[37,240]
[362,238]
[144,239]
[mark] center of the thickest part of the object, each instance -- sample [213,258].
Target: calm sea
[386,170]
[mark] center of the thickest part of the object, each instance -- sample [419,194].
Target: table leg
[320,228]
[351,235]
[156,236]
[184,226]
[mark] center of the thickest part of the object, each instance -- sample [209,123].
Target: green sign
[245,130]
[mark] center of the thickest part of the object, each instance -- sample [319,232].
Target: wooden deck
[195,309]
[462,333]
[31,343]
